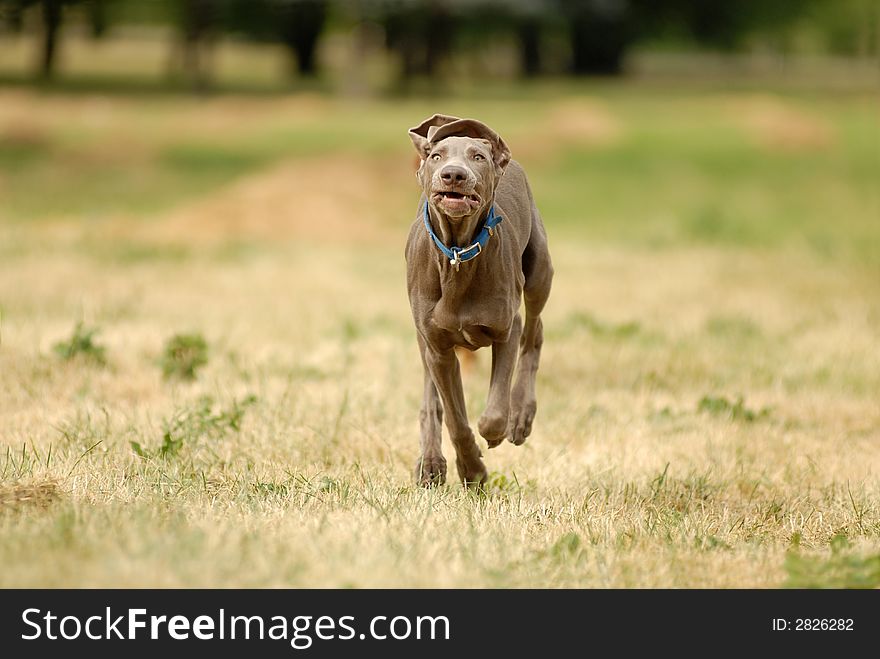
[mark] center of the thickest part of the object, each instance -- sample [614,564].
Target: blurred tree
[527,20]
[300,24]
[419,32]
[529,34]
[723,24]
[593,36]
[603,31]
[848,27]
[12,15]
[97,17]
[252,19]
[600,33]
[52,13]
[51,16]
[197,22]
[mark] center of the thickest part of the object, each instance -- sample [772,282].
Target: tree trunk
[197,22]
[192,67]
[597,45]
[305,55]
[98,18]
[51,27]
[14,18]
[302,23]
[438,35]
[529,33]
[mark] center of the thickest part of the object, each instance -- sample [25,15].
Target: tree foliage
[423,35]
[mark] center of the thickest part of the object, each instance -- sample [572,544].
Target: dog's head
[461,163]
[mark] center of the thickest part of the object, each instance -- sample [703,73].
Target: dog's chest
[477,313]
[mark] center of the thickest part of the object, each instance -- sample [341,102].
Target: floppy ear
[476,129]
[423,134]
[501,154]
[500,150]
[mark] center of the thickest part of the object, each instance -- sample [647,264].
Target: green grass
[713,187]
[184,355]
[709,182]
[82,345]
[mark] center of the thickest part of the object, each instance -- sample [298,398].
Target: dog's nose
[452,174]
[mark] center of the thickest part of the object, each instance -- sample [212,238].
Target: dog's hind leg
[538,271]
[431,466]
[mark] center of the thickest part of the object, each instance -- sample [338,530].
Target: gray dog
[477,245]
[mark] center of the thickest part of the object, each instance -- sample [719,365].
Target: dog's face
[458,175]
[461,162]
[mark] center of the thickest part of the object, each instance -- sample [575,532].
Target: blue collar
[457,255]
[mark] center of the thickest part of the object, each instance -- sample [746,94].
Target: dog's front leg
[431,467]
[443,367]
[493,424]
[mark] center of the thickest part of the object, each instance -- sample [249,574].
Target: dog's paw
[472,473]
[521,423]
[493,428]
[431,471]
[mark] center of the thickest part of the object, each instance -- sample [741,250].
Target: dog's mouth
[458,203]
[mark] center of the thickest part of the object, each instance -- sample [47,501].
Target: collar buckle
[455,261]
[454,254]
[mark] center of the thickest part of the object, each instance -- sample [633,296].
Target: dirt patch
[19,495]
[122,124]
[23,135]
[341,198]
[582,123]
[777,126]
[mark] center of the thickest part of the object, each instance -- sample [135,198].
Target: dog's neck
[460,231]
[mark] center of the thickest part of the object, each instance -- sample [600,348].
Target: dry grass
[625,482]
[28,494]
[642,470]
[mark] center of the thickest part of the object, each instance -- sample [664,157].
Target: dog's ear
[423,135]
[478,130]
[500,153]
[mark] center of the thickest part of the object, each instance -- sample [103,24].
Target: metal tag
[456,262]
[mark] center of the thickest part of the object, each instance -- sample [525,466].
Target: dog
[476,250]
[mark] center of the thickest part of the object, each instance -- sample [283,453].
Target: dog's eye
[479,156]
[435,157]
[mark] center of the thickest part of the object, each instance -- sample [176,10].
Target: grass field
[709,396]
